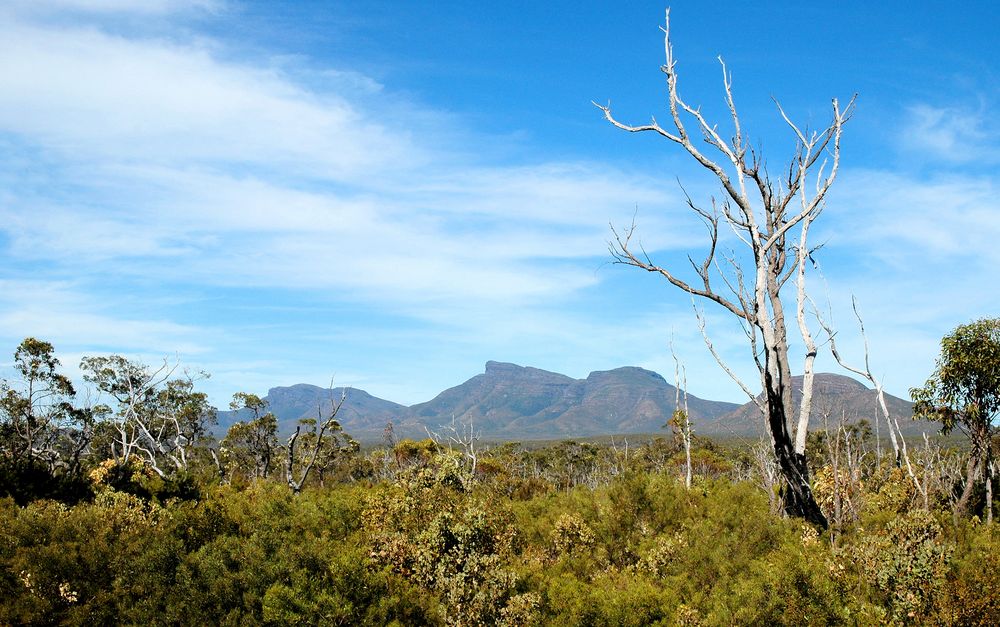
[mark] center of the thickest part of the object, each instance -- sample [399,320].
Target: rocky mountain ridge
[508,401]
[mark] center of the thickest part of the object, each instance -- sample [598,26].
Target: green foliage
[330,451]
[412,453]
[427,549]
[235,557]
[906,561]
[973,586]
[571,534]
[457,548]
[965,386]
[250,447]
[576,533]
[42,434]
[609,598]
[965,391]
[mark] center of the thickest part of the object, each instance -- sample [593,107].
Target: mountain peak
[297,387]
[626,372]
[501,367]
[834,382]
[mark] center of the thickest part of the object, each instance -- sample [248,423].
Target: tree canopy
[965,387]
[964,392]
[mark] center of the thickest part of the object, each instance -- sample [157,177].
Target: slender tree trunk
[989,495]
[972,472]
[296,486]
[796,491]
[988,476]
[838,506]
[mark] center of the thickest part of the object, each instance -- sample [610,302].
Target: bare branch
[622,253]
[732,375]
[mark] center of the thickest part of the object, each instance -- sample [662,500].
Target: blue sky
[393,193]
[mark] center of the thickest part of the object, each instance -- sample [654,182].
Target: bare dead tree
[682,418]
[619,457]
[844,464]
[463,436]
[771,218]
[320,428]
[767,474]
[833,454]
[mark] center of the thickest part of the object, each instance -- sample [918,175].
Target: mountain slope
[361,412]
[514,401]
[503,394]
[835,398]
[508,401]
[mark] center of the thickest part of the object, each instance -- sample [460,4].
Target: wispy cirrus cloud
[85,94]
[139,7]
[240,175]
[144,166]
[904,219]
[63,313]
[956,134]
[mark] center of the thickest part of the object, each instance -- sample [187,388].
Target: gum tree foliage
[431,528]
[39,424]
[330,449]
[964,393]
[163,421]
[770,218]
[250,446]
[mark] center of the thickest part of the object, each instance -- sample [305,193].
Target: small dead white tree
[681,420]
[464,437]
[299,462]
[771,218]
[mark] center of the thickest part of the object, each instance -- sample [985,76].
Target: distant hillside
[502,395]
[361,412]
[513,401]
[508,401]
[836,397]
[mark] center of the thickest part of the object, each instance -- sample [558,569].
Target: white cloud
[65,315]
[926,220]
[89,95]
[191,168]
[950,134]
[140,7]
[216,229]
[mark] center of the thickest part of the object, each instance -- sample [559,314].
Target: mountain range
[508,401]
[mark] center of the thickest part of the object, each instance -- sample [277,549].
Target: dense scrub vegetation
[176,528]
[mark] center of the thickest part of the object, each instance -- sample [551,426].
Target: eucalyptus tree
[771,218]
[251,445]
[39,422]
[964,393]
[159,419]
